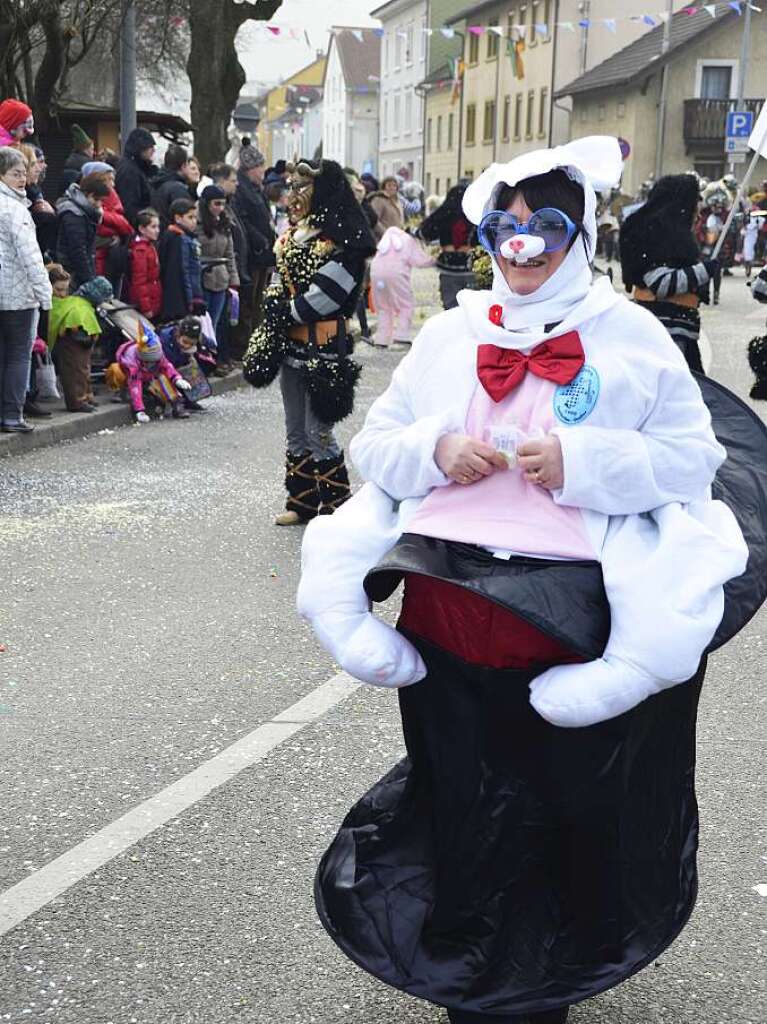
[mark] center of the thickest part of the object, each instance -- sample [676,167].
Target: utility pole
[127,69]
[660,140]
[585,11]
[745,53]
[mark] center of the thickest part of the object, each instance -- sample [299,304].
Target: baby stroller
[120,323]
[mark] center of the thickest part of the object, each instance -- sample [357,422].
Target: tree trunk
[215,74]
[51,67]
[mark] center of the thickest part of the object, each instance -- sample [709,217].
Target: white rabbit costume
[639,458]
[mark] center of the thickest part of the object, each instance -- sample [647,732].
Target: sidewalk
[69,426]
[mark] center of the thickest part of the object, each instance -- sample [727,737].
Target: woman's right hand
[465,459]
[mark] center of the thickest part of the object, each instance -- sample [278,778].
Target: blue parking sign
[740,124]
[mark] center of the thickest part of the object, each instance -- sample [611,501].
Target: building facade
[621,96]
[278,106]
[515,58]
[350,99]
[404,54]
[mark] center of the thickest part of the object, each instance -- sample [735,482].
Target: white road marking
[34,892]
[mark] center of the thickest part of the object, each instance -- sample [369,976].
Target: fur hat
[80,138]
[148,344]
[251,157]
[96,167]
[212,192]
[13,113]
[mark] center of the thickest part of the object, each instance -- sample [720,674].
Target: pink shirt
[504,511]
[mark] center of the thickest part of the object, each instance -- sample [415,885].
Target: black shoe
[726,272]
[36,412]
[195,406]
[550,1016]
[83,407]
[180,413]
[17,428]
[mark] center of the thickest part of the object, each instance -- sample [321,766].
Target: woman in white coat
[511,867]
[24,290]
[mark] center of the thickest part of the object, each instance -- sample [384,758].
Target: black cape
[509,866]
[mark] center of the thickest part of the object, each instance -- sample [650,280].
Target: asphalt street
[147,611]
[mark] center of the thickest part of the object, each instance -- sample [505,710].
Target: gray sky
[269,58]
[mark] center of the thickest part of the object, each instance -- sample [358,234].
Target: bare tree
[215,73]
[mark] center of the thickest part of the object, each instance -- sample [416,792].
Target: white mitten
[336,554]
[141,417]
[664,575]
[183,383]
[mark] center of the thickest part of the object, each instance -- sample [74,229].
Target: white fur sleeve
[394,449]
[673,456]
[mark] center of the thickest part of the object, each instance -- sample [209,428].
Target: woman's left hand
[541,462]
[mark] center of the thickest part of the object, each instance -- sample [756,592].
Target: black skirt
[507,865]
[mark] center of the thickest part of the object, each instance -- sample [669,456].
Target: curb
[72,426]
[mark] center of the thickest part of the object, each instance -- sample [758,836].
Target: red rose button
[495,315]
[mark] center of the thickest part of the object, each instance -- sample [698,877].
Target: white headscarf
[595,163]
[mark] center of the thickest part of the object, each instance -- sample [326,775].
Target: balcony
[705,122]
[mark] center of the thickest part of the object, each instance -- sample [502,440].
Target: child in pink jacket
[147,370]
[398,252]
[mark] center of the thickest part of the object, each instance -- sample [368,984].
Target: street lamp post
[663,102]
[127,69]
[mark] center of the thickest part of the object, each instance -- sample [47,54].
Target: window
[620,109]
[715,82]
[385,119]
[543,128]
[522,21]
[436,186]
[518,115]
[395,126]
[439,133]
[529,120]
[424,39]
[506,117]
[447,185]
[471,124]
[449,131]
[532,34]
[473,48]
[601,112]
[428,183]
[408,125]
[428,136]
[546,17]
[584,114]
[397,49]
[409,44]
[386,55]
[488,127]
[492,45]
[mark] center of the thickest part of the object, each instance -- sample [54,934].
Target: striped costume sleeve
[330,289]
[665,281]
[759,287]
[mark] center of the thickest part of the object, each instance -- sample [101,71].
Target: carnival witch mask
[301,181]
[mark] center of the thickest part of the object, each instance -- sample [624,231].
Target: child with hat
[73,330]
[143,368]
[16,122]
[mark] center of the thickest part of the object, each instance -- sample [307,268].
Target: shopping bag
[200,385]
[45,378]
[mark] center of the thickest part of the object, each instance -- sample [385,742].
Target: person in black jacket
[134,173]
[79,214]
[252,209]
[174,181]
[83,148]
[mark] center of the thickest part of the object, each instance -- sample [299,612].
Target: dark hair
[144,217]
[220,172]
[209,224]
[175,158]
[181,207]
[94,185]
[389,177]
[554,188]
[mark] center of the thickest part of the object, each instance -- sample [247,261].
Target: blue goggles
[552,225]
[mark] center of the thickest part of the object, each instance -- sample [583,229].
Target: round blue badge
[573,402]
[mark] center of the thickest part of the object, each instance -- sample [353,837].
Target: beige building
[621,95]
[502,112]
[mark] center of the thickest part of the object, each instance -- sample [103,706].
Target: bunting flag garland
[541,29]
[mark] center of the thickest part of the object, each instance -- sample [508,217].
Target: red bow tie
[502,369]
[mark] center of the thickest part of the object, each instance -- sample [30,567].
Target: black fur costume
[319,280]
[660,232]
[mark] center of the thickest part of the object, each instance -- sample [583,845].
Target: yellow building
[275,103]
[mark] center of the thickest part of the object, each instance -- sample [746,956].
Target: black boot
[333,483]
[549,1017]
[303,501]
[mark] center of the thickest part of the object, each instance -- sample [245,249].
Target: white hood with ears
[595,163]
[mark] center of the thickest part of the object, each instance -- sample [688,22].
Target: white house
[350,99]
[404,60]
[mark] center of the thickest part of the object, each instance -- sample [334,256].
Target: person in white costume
[615,462]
